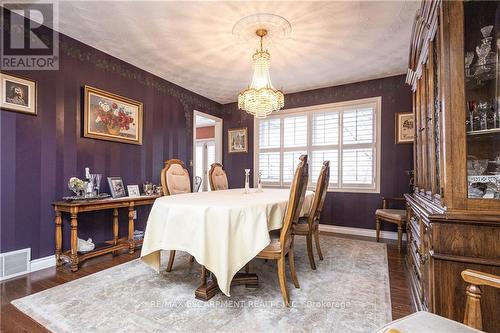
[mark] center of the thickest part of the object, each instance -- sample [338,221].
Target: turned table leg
[131,244]
[74,242]
[115,228]
[58,238]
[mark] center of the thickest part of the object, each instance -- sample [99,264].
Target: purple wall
[346,209]
[39,154]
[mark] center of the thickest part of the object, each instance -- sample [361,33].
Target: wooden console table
[75,207]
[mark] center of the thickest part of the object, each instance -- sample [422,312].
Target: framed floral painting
[405,127]
[238,140]
[111,117]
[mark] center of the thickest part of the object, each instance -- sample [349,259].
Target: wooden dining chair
[309,225]
[283,245]
[395,216]
[217,177]
[175,180]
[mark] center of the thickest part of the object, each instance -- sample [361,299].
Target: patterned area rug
[349,292]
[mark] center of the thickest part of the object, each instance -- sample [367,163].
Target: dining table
[222,230]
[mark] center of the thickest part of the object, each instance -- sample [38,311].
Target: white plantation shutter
[295,133]
[346,134]
[325,128]
[290,161]
[357,126]
[357,166]
[269,133]
[316,162]
[269,165]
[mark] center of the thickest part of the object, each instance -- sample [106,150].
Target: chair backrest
[296,199]
[217,177]
[197,183]
[320,194]
[175,178]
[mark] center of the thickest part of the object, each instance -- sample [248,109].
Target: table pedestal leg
[58,238]
[131,243]
[209,288]
[74,242]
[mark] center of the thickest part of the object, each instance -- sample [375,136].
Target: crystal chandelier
[261,98]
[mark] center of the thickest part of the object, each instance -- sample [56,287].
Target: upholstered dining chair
[395,216]
[175,180]
[283,245]
[309,225]
[217,177]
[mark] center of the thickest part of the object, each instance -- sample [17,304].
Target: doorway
[207,146]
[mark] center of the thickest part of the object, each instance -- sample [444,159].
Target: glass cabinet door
[482,94]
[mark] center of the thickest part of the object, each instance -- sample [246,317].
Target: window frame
[375,102]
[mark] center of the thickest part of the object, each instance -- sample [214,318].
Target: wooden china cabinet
[454,212]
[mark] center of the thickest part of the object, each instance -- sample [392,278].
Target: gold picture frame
[405,127]
[237,140]
[19,94]
[111,117]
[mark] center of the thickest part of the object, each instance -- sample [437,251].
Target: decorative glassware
[483,110]
[482,54]
[89,190]
[472,110]
[259,182]
[469,57]
[486,31]
[97,183]
[247,181]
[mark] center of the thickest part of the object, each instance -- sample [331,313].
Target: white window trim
[309,110]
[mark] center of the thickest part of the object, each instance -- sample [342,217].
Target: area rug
[349,292]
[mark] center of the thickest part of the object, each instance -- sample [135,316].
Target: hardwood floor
[12,320]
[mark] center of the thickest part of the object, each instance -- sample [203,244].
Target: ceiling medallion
[261,98]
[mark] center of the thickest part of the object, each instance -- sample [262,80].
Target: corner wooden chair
[175,180]
[423,322]
[280,247]
[217,177]
[395,216]
[309,225]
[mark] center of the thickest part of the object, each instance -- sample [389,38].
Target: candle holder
[247,181]
[259,182]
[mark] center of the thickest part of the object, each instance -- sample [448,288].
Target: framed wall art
[237,140]
[133,191]
[18,94]
[405,127]
[111,117]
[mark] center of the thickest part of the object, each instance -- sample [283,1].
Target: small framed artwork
[133,191]
[18,94]
[237,140]
[116,187]
[111,117]
[405,127]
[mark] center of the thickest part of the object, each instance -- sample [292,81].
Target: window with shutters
[347,134]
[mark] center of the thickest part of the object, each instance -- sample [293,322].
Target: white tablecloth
[223,230]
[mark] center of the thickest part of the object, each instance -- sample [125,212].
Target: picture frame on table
[116,187]
[237,139]
[19,94]
[405,127]
[133,191]
[111,117]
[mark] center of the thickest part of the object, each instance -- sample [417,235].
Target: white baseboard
[359,231]
[41,263]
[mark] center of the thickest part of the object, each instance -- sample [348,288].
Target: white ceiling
[191,43]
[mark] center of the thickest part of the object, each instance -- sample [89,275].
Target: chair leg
[171,260]
[291,260]
[310,253]
[400,236]
[318,247]
[282,280]
[377,229]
